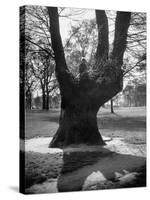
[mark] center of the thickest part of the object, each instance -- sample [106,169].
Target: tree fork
[81,102]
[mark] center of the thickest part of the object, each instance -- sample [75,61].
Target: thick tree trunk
[78,121]
[78,125]
[82,98]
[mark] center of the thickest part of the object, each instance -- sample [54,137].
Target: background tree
[82,97]
[37,102]
[82,43]
[135,54]
[40,52]
[135,92]
[43,70]
[29,86]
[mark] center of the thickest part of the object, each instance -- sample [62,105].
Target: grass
[129,123]
[41,123]
[40,167]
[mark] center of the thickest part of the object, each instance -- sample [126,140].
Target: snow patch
[40,145]
[117,145]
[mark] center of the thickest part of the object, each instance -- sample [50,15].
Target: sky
[78,15]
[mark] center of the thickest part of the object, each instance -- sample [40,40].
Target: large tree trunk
[78,124]
[82,97]
[76,128]
[79,107]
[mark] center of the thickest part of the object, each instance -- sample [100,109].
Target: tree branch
[121,28]
[56,40]
[68,41]
[39,47]
[130,69]
[64,76]
[103,43]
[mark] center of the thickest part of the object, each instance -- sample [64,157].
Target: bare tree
[43,70]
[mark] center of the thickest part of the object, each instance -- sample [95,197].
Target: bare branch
[63,74]
[68,41]
[56,39]
[133,67]
[103,43]
[121,28]
[40,47]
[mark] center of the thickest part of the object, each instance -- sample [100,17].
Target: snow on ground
[40,145]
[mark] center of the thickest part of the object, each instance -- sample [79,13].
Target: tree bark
[103,44]
[121,29]
[82,97]
[78,123]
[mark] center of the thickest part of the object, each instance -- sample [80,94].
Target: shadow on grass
[40,167]
[79,166]
[74,170]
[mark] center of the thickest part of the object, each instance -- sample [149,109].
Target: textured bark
[121,28]
[77,127]
[82,97]
[103,44]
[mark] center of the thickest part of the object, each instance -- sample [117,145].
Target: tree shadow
[79,168]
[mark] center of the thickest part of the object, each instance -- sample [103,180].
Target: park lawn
[129,123]
[41,123]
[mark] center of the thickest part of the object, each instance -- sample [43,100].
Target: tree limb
[56,40]
[64,76]
[128,70]
[39,47]
[121,28]
[103,43]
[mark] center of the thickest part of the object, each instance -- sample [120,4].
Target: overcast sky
[77,15]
